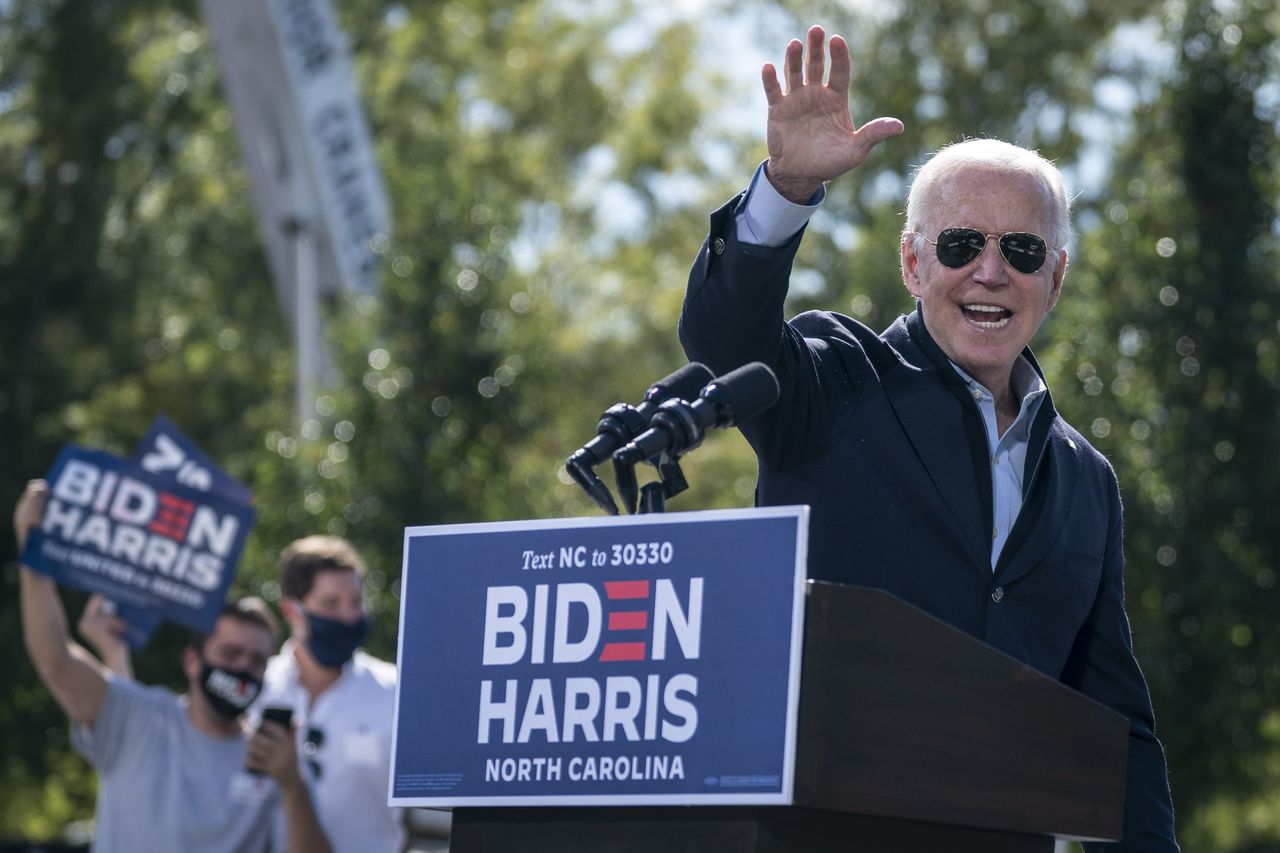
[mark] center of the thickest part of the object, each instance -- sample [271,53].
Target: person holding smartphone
[174,773]
[341,697]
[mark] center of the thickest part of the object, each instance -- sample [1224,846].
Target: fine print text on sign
[644,659]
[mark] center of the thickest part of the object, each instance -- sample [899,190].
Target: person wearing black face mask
[342,698]
[175,773]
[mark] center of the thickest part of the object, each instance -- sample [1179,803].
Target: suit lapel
[933,421]
[1040,523]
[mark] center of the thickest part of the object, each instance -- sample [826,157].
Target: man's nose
[990,267]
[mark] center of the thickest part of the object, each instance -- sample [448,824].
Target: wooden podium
[913,736]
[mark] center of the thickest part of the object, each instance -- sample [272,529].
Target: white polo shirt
[350,763]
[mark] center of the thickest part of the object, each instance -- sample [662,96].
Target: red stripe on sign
[629,620]
[622,651]
[166,531]
[626,589]
[177,504]
[170,517]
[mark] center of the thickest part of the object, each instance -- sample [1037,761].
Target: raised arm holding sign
[146,740]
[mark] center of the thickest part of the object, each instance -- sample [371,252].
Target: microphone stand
[671,482]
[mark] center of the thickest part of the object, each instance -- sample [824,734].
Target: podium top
[904,716]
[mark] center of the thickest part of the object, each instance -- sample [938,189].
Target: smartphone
[276,714]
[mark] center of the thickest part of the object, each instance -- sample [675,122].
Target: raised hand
[105,634]
[273,752]
[810,131]
[30,510]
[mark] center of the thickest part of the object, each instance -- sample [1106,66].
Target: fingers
[840,65]
[805,63]
[35,494]
[793,65]
[272,751]
[87,618]
[264,746]
[30,509]
[816,67]
[97,619]
[256,751]
[772,88]
[878,130]
[272,731]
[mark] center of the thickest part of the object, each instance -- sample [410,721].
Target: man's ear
[910,265]
[1059,275]
[191,663]
[291,610]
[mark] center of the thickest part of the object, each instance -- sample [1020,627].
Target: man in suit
[931,455]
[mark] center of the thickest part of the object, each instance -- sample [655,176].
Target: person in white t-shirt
[343,699]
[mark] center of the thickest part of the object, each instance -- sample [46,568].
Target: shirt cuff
[765,218]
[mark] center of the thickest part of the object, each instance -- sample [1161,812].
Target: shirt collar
[1023,380]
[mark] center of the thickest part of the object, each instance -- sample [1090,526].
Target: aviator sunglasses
[958,247]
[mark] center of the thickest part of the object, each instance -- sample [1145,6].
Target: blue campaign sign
[140,540]
[650,659]
[166,452]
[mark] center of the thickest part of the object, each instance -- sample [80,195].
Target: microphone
[678,426]
[621,423]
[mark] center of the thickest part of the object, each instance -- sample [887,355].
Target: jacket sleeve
[1103,667]
[733,314]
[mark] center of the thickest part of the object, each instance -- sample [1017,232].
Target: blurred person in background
[342,698]
[174,772]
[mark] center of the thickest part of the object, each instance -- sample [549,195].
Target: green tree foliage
[550,168]
[1170,347]
[515,304]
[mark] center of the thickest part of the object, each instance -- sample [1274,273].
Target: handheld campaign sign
[167,453]
[146,543]
[650,659]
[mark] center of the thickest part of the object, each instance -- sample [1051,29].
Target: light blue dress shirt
[765,218]
[1008,452]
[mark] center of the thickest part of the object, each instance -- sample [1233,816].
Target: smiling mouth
[986,316]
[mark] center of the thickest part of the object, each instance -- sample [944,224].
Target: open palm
[811,135]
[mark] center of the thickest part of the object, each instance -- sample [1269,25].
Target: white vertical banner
[345,175]
[305,143]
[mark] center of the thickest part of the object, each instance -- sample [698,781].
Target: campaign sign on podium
[651,659]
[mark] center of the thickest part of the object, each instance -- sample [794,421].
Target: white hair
[989,155]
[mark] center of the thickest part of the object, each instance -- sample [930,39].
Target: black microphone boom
[621,423]
[678,427]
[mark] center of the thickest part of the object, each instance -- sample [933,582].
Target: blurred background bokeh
[550,165]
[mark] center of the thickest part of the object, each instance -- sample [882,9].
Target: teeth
[979,308]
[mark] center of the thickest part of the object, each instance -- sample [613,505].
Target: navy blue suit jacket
[880,437]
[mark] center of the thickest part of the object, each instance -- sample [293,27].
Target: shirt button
[717,245]
[994,533]
[995,460]
[997,594]
[977,395]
